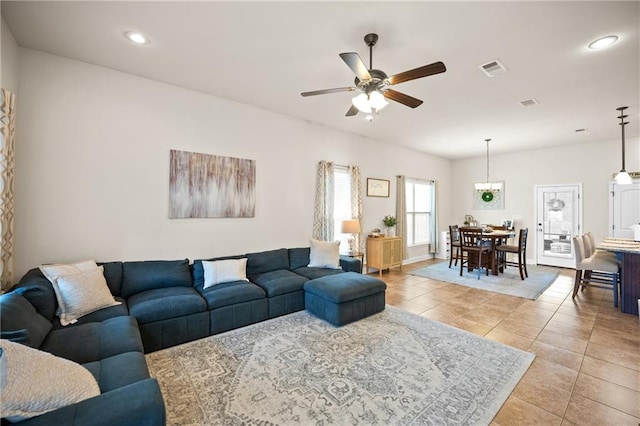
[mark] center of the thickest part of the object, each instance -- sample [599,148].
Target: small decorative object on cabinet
[384,253]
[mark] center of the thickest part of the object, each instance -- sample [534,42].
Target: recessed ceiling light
[603,42]
[136,37]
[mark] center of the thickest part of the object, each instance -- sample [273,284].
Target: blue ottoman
[344,298]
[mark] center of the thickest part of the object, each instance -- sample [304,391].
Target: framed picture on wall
[377,187]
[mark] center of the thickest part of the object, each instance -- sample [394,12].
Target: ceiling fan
[374,85]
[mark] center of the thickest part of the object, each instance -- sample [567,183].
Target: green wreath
[487,196]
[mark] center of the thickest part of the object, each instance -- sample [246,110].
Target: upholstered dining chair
[594,271]
[477,253]
[520,249]
[454,238]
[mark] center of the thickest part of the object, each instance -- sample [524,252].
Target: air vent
[529,102]
[493,68]
[582,130]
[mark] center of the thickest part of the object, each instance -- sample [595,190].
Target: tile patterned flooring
[587,366]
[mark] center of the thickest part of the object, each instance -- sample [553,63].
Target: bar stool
[594,271]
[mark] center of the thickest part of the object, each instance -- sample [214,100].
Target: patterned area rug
[509,282]
[391,368]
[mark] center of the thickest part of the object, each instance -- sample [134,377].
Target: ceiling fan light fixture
[377,100]
[369,102]
[361,102]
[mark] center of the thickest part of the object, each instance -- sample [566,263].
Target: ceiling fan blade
[352,59]
[425,71]
[407,100]
[352,111]
[325,91]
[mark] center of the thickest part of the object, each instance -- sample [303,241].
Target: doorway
[624,209]
[559,219]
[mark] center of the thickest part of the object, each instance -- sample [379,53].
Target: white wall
[591,164]
[8,59]
[92,164]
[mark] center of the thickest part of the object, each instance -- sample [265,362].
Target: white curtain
[7,160]
[323,213]
[356,201]
[401,213]
[433,223]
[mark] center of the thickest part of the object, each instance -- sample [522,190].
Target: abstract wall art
[210,186]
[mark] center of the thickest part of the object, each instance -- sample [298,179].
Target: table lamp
[351,226]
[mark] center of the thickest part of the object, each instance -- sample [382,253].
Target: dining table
[628,252]
[496,237]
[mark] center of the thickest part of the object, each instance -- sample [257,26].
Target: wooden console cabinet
[384,253]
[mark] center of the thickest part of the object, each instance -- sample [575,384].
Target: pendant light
[487,191]
[622,178]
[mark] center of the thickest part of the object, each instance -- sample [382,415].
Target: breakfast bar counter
[628,251]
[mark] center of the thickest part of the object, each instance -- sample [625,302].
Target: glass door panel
[558,217]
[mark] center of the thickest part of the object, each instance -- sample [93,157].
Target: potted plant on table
[389,221]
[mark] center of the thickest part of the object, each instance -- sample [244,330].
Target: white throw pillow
[224,271]
[37,382]
[56,270]
[324,254]
[82,293]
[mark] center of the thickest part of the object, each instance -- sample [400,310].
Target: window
[342,204]
[419,201]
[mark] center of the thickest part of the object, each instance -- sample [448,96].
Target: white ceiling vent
[529,102]
[493,68]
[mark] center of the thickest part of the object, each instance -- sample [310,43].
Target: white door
[624,209]
[559,219]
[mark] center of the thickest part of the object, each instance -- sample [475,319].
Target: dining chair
[454,238]
[521,250]
[594,271]
[472,243]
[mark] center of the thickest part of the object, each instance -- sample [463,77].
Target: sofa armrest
[137,404]
[351,264]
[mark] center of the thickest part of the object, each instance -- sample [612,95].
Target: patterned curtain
[7,160]
[356,201]
[433,223]
[323,214]
[401,213]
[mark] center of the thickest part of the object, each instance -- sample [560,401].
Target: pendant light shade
[623,178]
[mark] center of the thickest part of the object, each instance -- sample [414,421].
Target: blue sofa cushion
[113,275]
[313,273]
[198,270]
[267,261]
[165,303]
[137,404]
[18,314]
[299,257]
[95,340]
[148,275]
[279,282]
[100,315]
[119,370]
[344,287]
[231,293]
[39,292]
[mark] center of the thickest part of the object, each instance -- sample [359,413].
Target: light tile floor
[587,366]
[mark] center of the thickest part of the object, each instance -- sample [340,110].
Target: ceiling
[266,53]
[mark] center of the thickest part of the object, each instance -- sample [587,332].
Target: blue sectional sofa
[164,303]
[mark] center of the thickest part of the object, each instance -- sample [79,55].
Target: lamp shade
[623,178]
[351,226]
